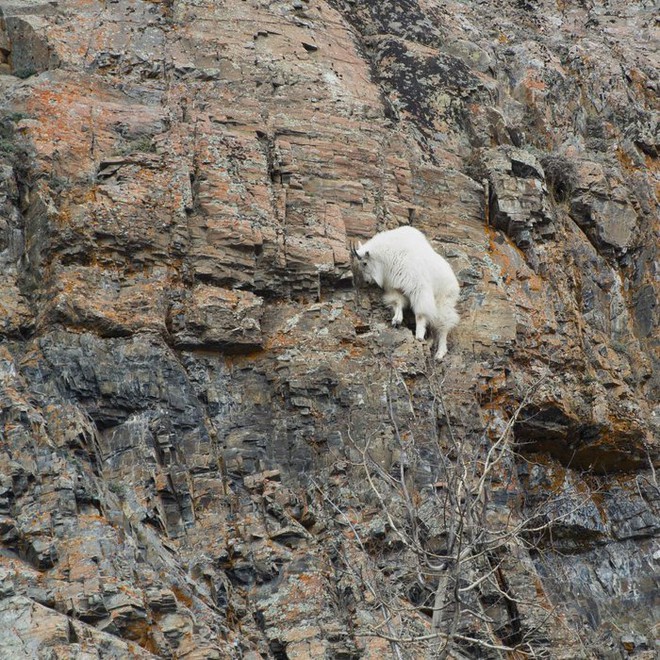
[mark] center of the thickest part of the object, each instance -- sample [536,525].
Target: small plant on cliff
[25,72]
[117,488]
[7,148]
[11,146]
[560,175]
[144,144]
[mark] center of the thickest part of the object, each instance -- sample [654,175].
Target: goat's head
[362,261]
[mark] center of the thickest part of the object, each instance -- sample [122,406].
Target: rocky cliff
[213,444]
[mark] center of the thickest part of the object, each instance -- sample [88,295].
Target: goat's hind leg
[447,319]
[424,307]
[420,326]
[441,341]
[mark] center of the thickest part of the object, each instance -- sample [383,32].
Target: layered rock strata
[213,443]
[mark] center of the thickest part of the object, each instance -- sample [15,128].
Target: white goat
[403,263]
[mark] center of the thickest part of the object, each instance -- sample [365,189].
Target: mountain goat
[403,263]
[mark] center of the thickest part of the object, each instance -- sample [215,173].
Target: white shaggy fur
[403,263]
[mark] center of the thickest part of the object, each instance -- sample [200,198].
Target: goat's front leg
[397,302]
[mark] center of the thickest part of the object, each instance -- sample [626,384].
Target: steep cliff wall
[213,443]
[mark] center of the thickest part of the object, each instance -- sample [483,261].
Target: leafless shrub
[441,582]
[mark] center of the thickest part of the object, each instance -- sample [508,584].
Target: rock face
[213,444]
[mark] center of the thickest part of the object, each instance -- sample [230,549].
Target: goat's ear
[366,255]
